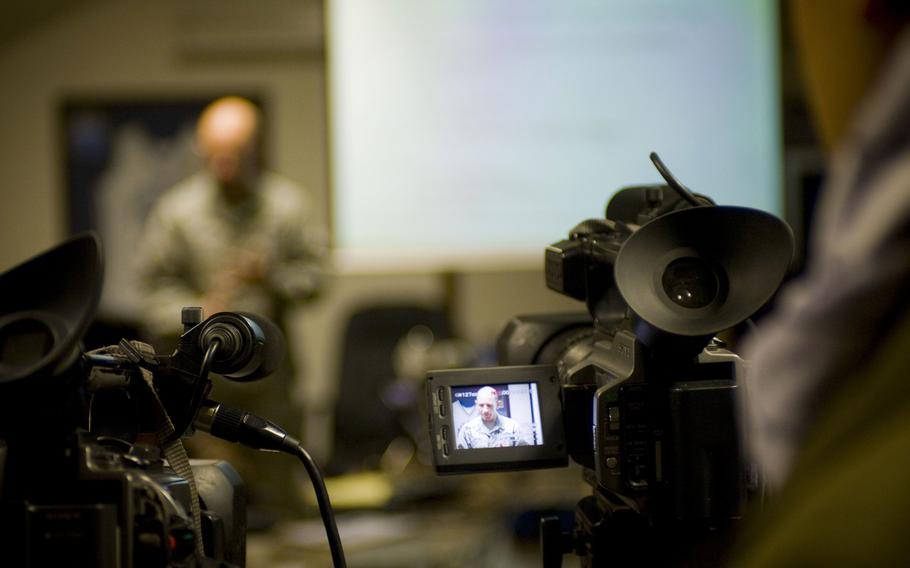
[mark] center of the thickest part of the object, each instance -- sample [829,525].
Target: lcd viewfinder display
[496,416]
[496,419]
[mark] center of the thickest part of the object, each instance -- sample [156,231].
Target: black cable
[325,506]
[243,427]
[207,359]
[202,383]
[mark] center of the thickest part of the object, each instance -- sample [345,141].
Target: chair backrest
[364,424]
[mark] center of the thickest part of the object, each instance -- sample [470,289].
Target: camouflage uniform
[193,235]
[475,434]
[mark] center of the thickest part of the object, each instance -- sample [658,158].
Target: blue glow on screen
[478,126]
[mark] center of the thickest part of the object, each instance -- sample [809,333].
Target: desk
[474,526]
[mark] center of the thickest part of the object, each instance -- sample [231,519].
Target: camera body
[92,468]
[103,503]
[656,427]
[647,395]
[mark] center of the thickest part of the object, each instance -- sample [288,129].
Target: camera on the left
[92,468]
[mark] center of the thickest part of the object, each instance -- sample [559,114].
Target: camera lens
[690,282]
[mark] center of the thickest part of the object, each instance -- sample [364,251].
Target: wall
[128,49]
[112,49]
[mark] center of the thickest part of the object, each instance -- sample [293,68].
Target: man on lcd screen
[489,429]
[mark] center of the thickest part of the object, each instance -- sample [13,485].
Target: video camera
[638,390]
[93,472]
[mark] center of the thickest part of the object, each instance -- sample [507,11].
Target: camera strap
[171,447]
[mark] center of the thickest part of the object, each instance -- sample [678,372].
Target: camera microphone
[249,346]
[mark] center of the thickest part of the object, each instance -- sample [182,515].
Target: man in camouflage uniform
[490,429]
[233,237]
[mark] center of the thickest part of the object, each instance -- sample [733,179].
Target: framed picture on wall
[120,155]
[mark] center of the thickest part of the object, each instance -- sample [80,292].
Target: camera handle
[258,433]
[683,191]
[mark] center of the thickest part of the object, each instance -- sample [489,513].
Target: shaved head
[487,393]
[487,398]
[226,137]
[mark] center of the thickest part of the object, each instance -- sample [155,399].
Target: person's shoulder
[473,424]
[279,186]
[284,195]
[185,194]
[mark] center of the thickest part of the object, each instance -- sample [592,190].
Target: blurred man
[488,429]
[233,237]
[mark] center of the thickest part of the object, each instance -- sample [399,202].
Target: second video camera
[637,390]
